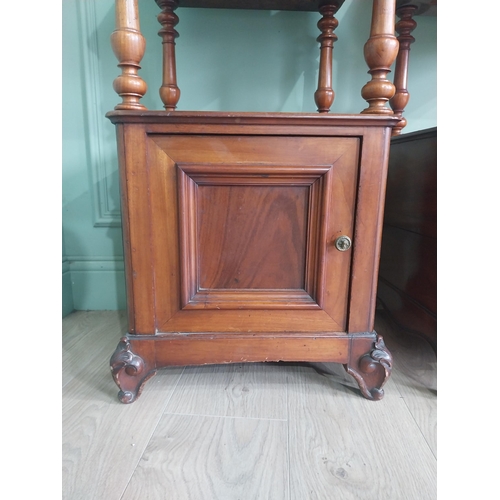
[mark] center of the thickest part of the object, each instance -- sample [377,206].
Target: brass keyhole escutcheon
[343,243]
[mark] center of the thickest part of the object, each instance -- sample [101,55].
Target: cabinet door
[244,231]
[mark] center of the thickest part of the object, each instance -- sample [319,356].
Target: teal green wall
[229,60]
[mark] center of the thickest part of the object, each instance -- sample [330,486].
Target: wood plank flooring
[273,431]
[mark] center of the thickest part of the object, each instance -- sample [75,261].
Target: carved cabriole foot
[370,366]
[129,371]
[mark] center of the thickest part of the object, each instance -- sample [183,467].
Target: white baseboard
[97,283]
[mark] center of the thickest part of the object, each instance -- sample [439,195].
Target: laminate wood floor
[261,431]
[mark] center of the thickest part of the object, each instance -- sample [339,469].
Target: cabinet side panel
[125,228]
[368,229]
[139,260]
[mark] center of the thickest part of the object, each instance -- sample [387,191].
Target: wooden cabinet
[407,287]
[251,236]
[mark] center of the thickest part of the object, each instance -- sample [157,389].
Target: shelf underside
[298,5]
[424,7]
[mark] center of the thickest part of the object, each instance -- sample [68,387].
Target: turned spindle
[128,45]
[325,95]
[169,91]
[404,27]
[380,51]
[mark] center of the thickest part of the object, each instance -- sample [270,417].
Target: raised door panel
[244,230]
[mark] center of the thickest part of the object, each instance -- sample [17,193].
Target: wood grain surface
[246,431]
[349,450]
[252,238]
[250,213]
[195,457]
[232,391]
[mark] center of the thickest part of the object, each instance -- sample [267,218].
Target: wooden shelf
[298,5]
[424,7]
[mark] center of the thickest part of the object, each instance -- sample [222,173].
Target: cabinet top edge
[249,118]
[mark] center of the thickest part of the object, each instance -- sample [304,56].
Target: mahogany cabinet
[251,237]
[407,287]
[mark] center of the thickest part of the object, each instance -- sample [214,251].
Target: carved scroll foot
[129,372]
[371,369]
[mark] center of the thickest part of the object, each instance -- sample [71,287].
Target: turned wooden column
[380,51]
[404,27]
[128,45]
[169,91]
[325,95]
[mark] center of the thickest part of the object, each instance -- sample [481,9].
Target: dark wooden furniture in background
[407,285]
[252,236]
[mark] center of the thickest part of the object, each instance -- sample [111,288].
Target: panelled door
[244,232]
